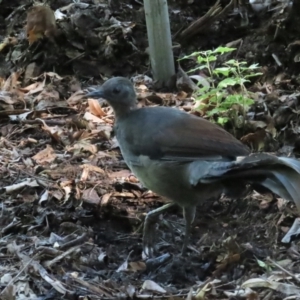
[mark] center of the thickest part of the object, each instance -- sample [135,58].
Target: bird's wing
[183,137]
[197,137]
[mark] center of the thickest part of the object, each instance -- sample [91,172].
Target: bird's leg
[148,232]
[189,216]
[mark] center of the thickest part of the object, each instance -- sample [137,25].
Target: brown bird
[188,159]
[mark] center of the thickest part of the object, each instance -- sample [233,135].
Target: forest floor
[71,213]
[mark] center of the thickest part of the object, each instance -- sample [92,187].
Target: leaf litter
[71,211]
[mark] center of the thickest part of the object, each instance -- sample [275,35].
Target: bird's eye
[116,90]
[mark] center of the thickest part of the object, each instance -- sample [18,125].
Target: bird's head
[119,93]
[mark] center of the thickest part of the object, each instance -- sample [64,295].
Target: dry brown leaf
[123,195]
[15,187]
[30,87]
[90,117]
[55,132]
[78,122]
[91,196]
[150,285]
[83,146]
[137,266]
[28,195]
[7,100]
[133,179]
[201,294]
[83,135]
[123,266]
[105,198]
[95,108]
[45,156]
[227,261]
[76,98]
[285,288]
[281,203]
[66,185]
[119,174]
[35,88]
[89,168]
[57,194]
[12,82]
[239,293]
[182,95]
[93,168]
[50,97]
[7,42]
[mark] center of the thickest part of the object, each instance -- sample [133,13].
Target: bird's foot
[189,216]
[149,229]
[148,240]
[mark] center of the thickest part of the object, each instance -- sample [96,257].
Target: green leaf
[213,99]
[233,98]
[211,58]
[261,263]
[223,50]
[223,71]
[201,106]
[253,75]
[202,67]
[243,80]
[203,89]
[233,73]
[201,97]
[253,67]
[209,95]
[193,70]
[248,101]
[189,56]
[227,82]
[231,62]
[220,93]
[222,120]
[201,59]
[213,111]
[205,95]
[238,99]
[207,52]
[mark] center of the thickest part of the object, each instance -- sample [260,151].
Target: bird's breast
[160,177]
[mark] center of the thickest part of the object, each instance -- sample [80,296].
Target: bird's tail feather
[286,184]
[280,175]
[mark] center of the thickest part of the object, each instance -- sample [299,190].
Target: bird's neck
[122,111]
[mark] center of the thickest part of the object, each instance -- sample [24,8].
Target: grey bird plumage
[188,159]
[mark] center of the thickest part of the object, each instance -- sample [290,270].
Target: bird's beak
[96,93]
